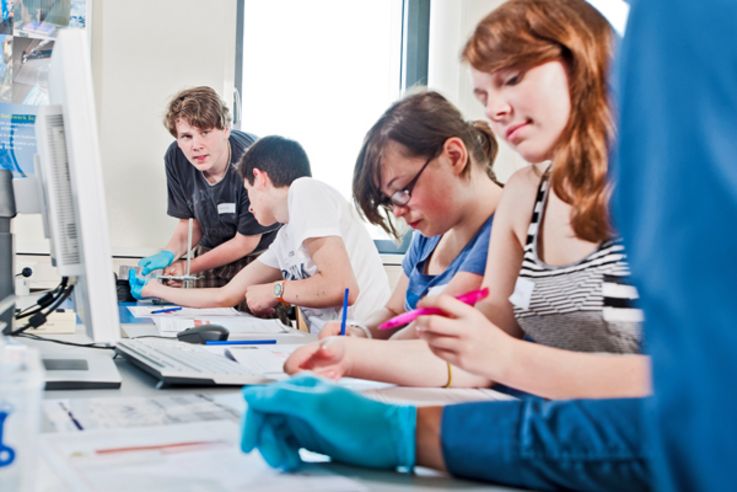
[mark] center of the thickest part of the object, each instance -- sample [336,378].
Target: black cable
[39,318]
[152,336]
[83,345]
[47,298]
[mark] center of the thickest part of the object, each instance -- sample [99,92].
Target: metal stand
[189,283]
[7,248]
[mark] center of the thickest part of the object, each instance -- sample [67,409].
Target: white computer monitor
[72,186]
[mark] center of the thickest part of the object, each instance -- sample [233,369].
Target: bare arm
[334,274]
[506,245]
[231,250]
[564,374]
[428,446]
[229,295]
[402,362]
[178,242]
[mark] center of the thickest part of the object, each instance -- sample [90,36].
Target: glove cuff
[169,255]
[404,429]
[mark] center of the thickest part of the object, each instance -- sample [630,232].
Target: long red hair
[521,34]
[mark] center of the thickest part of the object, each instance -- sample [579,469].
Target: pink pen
[470,298]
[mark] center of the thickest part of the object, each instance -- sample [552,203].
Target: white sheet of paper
[262,359]
[269,361]
[238,326]
[181,457]
[433,396]
[145,312]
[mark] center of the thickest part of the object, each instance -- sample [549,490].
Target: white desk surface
[138,383]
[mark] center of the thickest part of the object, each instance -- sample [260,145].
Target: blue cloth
[676,204]
[544,445]
[472,259]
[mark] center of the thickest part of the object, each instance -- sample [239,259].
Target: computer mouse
[203,333]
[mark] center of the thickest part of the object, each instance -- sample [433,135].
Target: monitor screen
[73,188]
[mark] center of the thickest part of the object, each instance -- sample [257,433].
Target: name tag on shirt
[522,293]
[226,208]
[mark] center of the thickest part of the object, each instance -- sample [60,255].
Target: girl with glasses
[423,163]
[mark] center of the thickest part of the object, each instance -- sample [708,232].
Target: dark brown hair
[420,123]
[521,34]
[283,160]
[200,107]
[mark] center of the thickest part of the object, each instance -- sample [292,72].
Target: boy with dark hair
[203,184]
[322,249]
[270,155]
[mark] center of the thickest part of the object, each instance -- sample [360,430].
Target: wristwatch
[279,290]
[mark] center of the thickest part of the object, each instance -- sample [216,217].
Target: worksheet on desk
[85,414]
[238,326]
[181,312]
[267,360]
[423,397]
[184,457]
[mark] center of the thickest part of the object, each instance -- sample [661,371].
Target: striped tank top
[587,306]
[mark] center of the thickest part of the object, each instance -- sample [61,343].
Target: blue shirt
[472,259]
[675,203]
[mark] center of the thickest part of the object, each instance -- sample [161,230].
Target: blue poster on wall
[17,139]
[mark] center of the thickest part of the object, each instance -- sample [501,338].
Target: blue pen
[241,342]
[345,312]
[166,310]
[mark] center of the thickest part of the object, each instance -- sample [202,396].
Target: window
[321,72]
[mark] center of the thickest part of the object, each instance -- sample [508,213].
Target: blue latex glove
[137,284]
[160,260]
[308,412]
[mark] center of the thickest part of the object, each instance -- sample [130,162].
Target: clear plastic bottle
[21,387]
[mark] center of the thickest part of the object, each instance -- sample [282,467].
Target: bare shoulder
[525,181]
[518,199]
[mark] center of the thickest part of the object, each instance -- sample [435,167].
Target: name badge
[522,293]
[226,208]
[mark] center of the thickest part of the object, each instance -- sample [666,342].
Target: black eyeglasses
[400,198]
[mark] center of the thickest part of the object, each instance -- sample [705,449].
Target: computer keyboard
[180,363]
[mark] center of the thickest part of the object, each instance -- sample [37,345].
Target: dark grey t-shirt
[221,209]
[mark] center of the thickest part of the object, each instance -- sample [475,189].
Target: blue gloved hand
[160,260]
[308,412]
[137,283]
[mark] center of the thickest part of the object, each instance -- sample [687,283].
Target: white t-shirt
[318,210]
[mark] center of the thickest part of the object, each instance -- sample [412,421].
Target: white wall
[143,52]
[451,23]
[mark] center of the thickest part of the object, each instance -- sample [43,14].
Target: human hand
[332,329]
[137,284]
[176,269]
[465,337]
[405,333]
[327,358]
[160,260]
[307,412]
[260,299]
